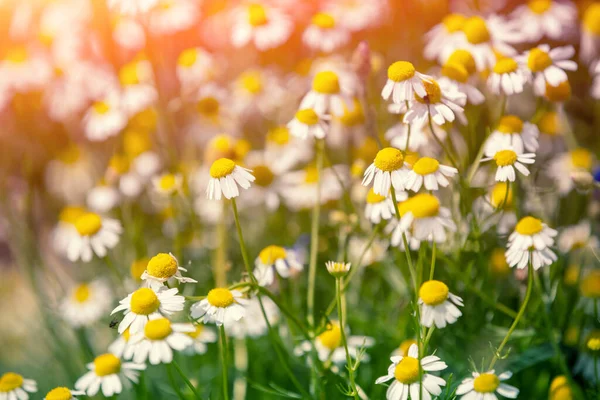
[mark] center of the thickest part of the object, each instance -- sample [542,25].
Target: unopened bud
[583,180]
[337,269]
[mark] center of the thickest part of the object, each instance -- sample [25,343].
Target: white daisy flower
[547,66]
[283,151]
[422,213]
[13,386]
[589,287]
[195,66]
[145,303]
[402,350]
[129,34]
[219,305]
[551,129]
[273,259]
[486,385]
[70,175]
[590,34]
[266,27]
[132,7]
[253,324]
[404,82]
[457,74]
[103,198]
[349,128]
[507,160]
[167,184]
[225,176]
[95,235]
[86,303]
[397,239]
[380,207]
[507,77]
[307,124]
[158,340]
[65,228]
[163,267]
[386,171]
[405,373]
[323,34]
[496,209]
[513,132]
[577,237]
[120,344]
[299,188]
[430,173]
[172,16]
[327,95]
[443,103]
[23,69]
[357,16]
[530,242]
[108,373]
[442,34]
[138,91]
[420,135]
[438,306]
[546,18]
[201,335]
[563,165]
[63,393]
[105,118]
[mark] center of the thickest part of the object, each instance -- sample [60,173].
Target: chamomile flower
[386,171]
[299,188]
[405,372]
[70,175]
[65,228]
[513,132]
[589,287]
[442,34]
[63,393]
[438,305]
[25,69]
[429,222]
[283,150]
[576,237]
[327,95]
[563,165]
[219,305]
[457,75]
[403,82]
[225,176]
[397,239]
[13,386]
[201,335]
[486,385]
[405,345]
[145,303]
[138,91]
[546,18]
[379,207]
[273,259]
[496,209]
[86,303]
[95,235]
[172,16]
[530,242]
[120,344]
[105,118]
[551,129]
[108,373]
[167,184]
[547,66]
[338,269]
[195,66]
[442,101]
[253,325]
[102,198]
[507,160]
[158,340]
[132,7]
[428,172]
[507,77]
[558,94]
[324,34]
[266,27]
[307,124]
[129,33]
[163,267]
[590,34]
[355,15]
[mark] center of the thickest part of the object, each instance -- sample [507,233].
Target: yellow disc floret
[590,285]
[107,364]
[187,58]
[504,158]
[373,198]
[220,297]
[498,263]
[221,168]
[168,182]
[454,22]
[252,82]
[549,123]
[137,268]
[263,175]
[433,293]
[101,107]
[81,293]
[456,72]
[405,345]
[279,135]
[426,165]
[136,142]
[257,15]
[510,124]
[332,337]
[270,254]
[198,329]
[560,93]
[422,205]
[401,71]
[59,393]
[538,60]
[311,174]
[323,21]
[70,154]
[88,224]
[144,301]
[591,19]
[486,383]
[162,266]
[539,6]
[529,226]
[389,159]
[307,116]
[158,329]
[208,107]
[407,370]
[499,196]
[465,58]
[70,214]
[10,381]
[476,30]
[326,82]
[505,65]
[433,90]
[582,158]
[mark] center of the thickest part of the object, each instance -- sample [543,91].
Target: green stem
[186,380]
[173,383]
[439,142]
[432,269]
[338,295]
[314,238]
[242,242]
[223,351]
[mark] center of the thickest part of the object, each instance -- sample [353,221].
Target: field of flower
[283,199]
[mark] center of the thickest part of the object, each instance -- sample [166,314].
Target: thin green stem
[338,295]
[314,238]
[223,351]
[433,257]
[185,378]
[242,242]
[173,382]
[411,267]
[440,143]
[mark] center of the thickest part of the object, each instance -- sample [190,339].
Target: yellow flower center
[411,157]
[560,389]
[167,182]
[119,163]
[581,158]
[505,65]
[353,116]
[592,341]
[17,55]
[405,345]
[510,124]
[323,21]
[198,329]
[426,165]
[326,82]
[136,142]
[373,198]
[270,254]
[538,60]
[144,301]
[454,22]
[257,15]
[433,293]
[101,107]
[137,268]
[208,107]
[311,175]
[107,364]
[128,75]
[590,285]
[70,155]
[70,214]
[456,72]
[88,224]
[571,275]
[486,383]
[145,119]
[465,58]
[126,335]
[498,262]
[499,196]
[422,205]
[539,6]
[263,175]
[252,82]
[433,90]
[220,297]
[549,123]
[332,337]
[81,293]
[401,71]
[158,329]
[591,19]
[560,93]
[59,393]
[389,159]
[279,135]
[10,381]
[529,226]
[307,116]
[476,30]
[187,58]
[162,266]
[407,370]
[505,157]
[221,168]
